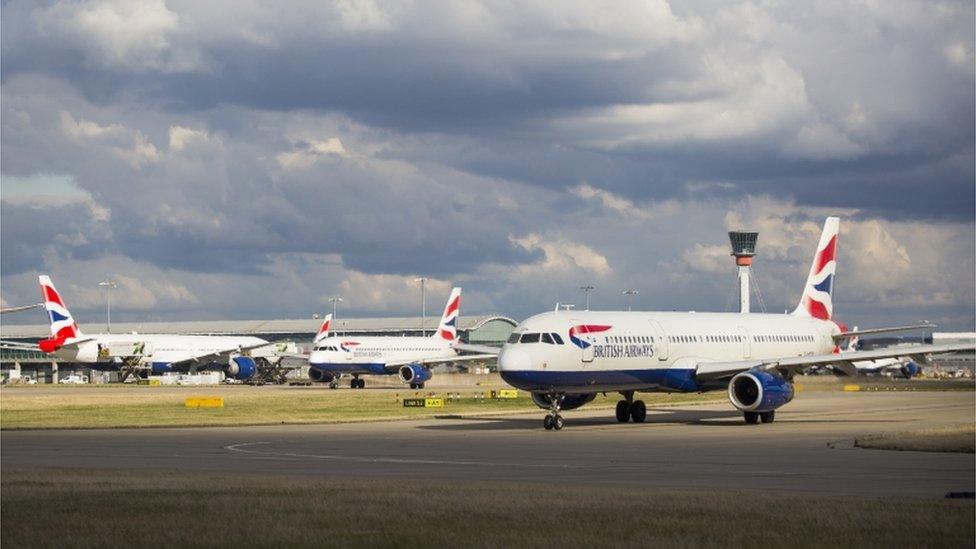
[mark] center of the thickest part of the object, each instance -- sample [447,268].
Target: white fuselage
[371,355]
[610,351]
[156,348]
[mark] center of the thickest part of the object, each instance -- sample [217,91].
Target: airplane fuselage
[159,349]
[593,351]
[370,355]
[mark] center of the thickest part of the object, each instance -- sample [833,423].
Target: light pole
[567,306]
[109,286]
[334,299]
[630,293]
[423,304]
[586,290]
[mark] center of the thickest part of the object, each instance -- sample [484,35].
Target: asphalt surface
[809,448]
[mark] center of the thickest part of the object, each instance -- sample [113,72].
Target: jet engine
[241,368]
[759,391]
[158,368]
[320,376]
[910,369]
[570,402]
[414,373]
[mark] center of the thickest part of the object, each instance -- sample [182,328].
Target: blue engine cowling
[414,373]
[161,368]
[241,368]
[910,370]
[570,402]
[759,391]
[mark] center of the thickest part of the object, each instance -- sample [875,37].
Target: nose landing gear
[554,421]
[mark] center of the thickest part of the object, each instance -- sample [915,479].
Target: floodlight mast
[743,250]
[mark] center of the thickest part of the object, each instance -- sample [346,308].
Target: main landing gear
[554,421]
[755,417]
[356,383]
[631,409]
[416,385]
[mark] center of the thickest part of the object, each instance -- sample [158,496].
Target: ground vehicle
[73,380]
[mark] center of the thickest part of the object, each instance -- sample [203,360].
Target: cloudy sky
[249,159]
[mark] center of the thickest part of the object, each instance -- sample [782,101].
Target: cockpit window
[530,338]
[546,338]
[513,338]
[557,339]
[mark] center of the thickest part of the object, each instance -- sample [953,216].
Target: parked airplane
[152,353]
[893,366]
[564,358]
[408,357]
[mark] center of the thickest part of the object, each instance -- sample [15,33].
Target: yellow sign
[155,382]
[205,402]
[505,393]
[852,388]
[433,403]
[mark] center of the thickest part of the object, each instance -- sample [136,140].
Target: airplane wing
[19,345]
[20,308]
[459,358]
[221,357]
[844,361]
[856,332]
[480,349]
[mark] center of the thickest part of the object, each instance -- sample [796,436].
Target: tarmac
[808,449]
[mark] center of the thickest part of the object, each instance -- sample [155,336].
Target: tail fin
[324,329]
[63,325]
[817,298]
[447,329]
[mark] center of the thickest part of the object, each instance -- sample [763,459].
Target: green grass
[958,438]
[75,508]
[164,406]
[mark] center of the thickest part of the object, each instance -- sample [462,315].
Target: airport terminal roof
[280,326]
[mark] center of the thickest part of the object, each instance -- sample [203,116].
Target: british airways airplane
[151,353]
[408,357]
[564,358]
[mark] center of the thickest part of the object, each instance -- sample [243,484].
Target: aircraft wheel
[333,385]
[751,417]
[557,422]
[768,417]
[413,385]
[420,385]
[638,411]
[547,423]
[623,411]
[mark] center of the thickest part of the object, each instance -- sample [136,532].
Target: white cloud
[610,201]
[561,256]
[180,137]
[130,145]
[316,151]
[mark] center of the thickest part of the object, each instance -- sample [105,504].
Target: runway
[808,449]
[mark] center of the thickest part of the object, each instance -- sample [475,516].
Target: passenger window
[513,338]
[546,338]
[530,338]
[557,339]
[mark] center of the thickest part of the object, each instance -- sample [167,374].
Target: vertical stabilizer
[817,298]
[324,329]
[63,325]
[447,329]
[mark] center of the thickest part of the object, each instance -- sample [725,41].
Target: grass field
[957,438]
[74,508]
[112,407]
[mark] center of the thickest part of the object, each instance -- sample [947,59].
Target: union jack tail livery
[63,325]
[817,293]
[447,329]
[324,329]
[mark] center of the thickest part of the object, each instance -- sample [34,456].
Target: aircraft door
[586,341]
[746,343]
[661,344]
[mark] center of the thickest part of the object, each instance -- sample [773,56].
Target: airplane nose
[513,360]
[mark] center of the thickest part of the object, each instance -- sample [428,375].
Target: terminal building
[489,330]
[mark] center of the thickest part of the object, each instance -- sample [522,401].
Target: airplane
[893,366]
[408,357]
[564,358]
[144,353]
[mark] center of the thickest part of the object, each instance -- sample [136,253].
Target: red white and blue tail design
[817,300]
[324,329]
[447,329]
[63,325]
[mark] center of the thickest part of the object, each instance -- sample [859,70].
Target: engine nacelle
[759,391]
[570,402]
[414,373]
[320,376]
[910,370]
[158,368]
[241,368]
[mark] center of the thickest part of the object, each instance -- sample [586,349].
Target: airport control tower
[743,248]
